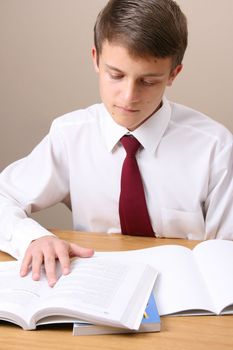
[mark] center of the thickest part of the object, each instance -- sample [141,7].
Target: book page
[91,284]
[179,285]
[17,294]
[215,260]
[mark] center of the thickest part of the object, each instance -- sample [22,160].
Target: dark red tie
[133,211]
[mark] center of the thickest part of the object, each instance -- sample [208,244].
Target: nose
[130,92]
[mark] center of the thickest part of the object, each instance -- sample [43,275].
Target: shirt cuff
[23,234]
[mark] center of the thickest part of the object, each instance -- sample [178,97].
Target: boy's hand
[46,250]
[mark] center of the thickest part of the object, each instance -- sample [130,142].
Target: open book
[99,290]
[150,323]
[190,282]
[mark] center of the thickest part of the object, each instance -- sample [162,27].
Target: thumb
[76,250]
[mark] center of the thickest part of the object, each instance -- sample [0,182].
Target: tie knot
[130,144]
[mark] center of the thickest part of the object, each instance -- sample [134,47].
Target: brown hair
[145,27]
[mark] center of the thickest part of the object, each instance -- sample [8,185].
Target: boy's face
[131,87]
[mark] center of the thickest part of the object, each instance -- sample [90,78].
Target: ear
[95,59]
[174,74]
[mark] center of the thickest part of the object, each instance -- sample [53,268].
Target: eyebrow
[156,75]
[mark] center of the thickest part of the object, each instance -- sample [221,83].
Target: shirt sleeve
[33,183]
[219,203]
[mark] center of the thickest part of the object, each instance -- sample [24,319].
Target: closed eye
[150,82]
[116,76]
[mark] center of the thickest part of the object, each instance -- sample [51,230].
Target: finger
[37,262]
[50,268]
[64,259]
[26,263]
[82,252]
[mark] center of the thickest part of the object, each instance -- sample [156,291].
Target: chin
[124,124]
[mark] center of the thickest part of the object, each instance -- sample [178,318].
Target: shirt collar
[149,134]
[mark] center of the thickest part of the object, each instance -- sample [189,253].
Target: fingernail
[35,276]
[52,283]
[66,271]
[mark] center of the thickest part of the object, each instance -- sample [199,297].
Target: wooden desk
[183,333]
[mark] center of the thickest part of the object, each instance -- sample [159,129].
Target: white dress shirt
[186,165]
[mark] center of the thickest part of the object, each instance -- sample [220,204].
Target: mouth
[127,109]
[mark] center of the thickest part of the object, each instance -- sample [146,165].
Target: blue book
[150,323]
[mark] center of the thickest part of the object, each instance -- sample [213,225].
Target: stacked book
[150,323]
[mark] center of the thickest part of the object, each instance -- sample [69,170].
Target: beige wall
[207,78]
[46,69]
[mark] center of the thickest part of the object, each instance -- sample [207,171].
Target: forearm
[17,230]
[28,185]
[219,203]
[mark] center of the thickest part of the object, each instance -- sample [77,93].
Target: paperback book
[150,323]
[98,290]
[196,281]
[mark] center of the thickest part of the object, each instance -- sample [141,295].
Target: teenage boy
[185,159]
